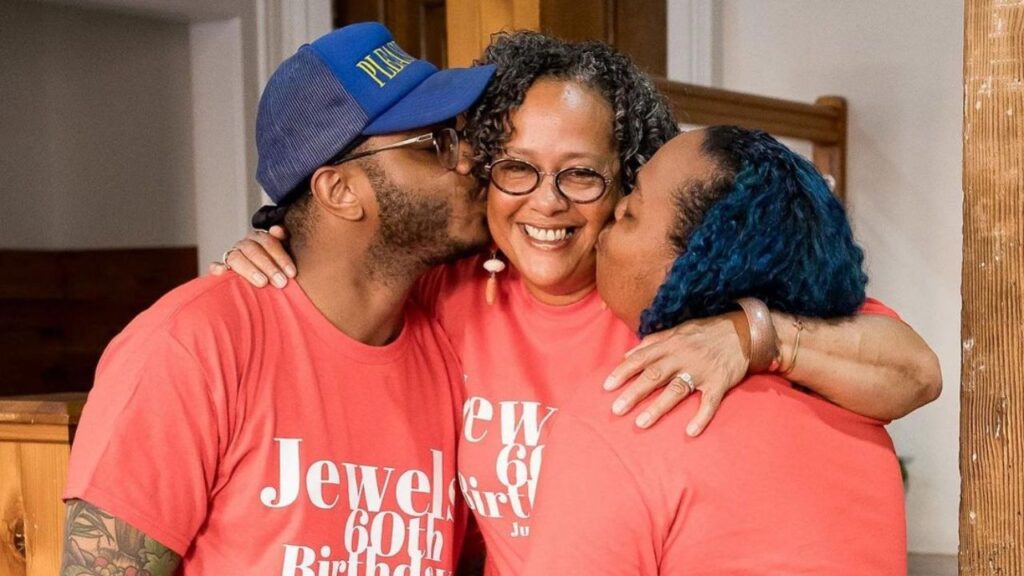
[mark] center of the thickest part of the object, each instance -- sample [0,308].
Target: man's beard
[413,234]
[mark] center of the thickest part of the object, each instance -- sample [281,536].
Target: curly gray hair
[643,120]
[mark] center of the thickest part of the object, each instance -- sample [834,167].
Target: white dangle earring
[493,266]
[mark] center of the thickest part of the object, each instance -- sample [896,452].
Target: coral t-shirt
[242,430]
[782,482]
[523,362]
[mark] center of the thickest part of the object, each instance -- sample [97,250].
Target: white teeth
[546,234]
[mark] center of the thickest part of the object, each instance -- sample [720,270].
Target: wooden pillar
[636,27]
[992,376]
[471,23]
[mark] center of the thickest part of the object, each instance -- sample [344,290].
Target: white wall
[96,138]
[228,49]
[899,64]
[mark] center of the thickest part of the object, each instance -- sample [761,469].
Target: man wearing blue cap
[309,431]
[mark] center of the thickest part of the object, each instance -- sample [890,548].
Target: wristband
[764,348]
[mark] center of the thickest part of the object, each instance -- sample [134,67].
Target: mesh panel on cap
[305,117]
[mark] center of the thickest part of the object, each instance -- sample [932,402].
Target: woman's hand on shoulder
[260,258]
[705,355]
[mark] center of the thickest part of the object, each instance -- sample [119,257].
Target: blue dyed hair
[764,224]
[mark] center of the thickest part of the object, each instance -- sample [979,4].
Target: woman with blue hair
[772,230]
[784,482]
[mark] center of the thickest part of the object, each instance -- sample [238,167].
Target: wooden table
[35,441]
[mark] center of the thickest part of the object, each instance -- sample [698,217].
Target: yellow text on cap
[385,63]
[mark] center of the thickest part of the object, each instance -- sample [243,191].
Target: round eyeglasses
[444,140]
[579,184]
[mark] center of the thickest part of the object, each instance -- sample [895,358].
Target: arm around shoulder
[872,364]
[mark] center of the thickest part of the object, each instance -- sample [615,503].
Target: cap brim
[440,97]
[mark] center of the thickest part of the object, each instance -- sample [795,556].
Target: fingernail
[280,280]
[290,271]
[692,430]
[259,278]
[619,407]
[643,420]
[609,383]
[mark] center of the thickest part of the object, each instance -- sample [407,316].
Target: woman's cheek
[499,214]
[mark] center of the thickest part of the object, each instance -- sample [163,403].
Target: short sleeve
[590,517]
[876,307]
[147,447]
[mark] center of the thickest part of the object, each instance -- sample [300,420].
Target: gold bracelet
[799,325]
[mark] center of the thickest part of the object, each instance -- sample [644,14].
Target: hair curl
[643,120]
[764,225]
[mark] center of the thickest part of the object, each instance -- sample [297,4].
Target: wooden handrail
[822,123]
[705,106]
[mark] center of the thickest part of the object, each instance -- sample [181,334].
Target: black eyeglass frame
[556,175]
[431,137]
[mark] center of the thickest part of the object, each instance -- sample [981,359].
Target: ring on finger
[687,379]
[224,257]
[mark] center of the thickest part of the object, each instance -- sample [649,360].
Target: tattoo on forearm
[98,544]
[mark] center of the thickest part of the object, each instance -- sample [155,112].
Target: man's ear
[340,192]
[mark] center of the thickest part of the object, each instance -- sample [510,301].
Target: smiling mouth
[551,236]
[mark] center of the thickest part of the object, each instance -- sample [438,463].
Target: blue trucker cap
[355,81]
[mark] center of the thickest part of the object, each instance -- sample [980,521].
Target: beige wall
[96,144]
[900,66]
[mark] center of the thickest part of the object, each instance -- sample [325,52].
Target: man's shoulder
[219,295]
[204,300]
[199,315]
